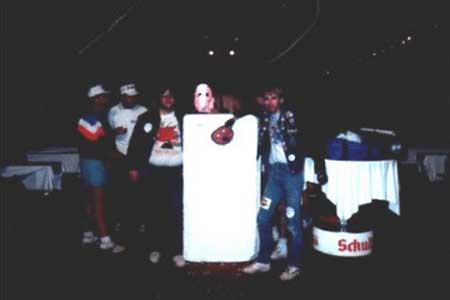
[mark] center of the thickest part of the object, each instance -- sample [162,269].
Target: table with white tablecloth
[67,156]
[34,177]
[354,183]
[431,162]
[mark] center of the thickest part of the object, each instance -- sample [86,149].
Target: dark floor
[45,260]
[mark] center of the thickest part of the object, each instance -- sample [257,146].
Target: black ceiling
[158,35]
[166,39]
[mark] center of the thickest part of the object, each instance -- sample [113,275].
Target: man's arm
[111,115]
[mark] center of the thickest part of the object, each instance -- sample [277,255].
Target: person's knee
[292,216]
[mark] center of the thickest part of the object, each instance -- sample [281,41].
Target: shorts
[93,172]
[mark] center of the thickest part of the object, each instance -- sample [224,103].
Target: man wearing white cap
[123,116]
[95,143]
[122,119]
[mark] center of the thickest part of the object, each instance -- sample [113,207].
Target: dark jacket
[294,144]
[144,137]
[299,141]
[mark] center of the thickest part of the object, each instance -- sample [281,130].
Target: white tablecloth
[435,167]
[354,183]
[415,153]
[50,150]
[40,178]
[67,156]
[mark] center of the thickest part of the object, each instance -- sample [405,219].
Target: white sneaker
[290,273]
[88,238]
[280,250]
[118,248]
[179,261]
[154,257]
[256,268]
[106,243]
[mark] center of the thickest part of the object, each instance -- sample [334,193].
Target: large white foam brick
[221,190]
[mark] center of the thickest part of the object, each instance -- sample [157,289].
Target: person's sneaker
[118,248]
[106,243]
[280,250]
[179,261]
[290,273]
[256,268]
[154,257]
[88,238]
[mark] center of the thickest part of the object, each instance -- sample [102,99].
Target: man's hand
[120,130]
[133,175]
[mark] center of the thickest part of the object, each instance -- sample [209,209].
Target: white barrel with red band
[343,244]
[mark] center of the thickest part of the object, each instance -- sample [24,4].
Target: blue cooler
[339,149]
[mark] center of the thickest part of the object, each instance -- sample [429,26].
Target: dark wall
[48,80]
[12,97]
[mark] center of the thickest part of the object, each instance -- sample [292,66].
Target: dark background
[44,85]
[46,80]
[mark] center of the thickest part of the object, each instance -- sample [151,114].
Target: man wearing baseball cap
[122,119]
[95,143]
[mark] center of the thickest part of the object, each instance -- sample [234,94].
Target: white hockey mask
[203,98]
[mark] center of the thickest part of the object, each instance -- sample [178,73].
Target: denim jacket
[292,139]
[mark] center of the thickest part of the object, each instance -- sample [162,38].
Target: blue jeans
[281,184]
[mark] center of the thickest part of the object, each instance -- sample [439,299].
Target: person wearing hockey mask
[204,100]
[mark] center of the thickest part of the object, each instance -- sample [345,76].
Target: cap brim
[131,93]
[102,93]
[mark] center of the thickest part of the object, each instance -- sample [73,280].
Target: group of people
[138,151]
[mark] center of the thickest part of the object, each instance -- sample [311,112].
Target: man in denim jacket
[283,153]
